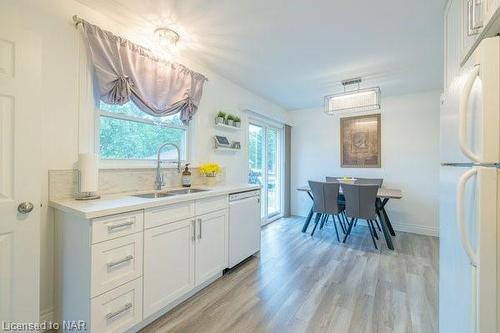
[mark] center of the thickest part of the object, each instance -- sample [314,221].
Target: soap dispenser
[186,176]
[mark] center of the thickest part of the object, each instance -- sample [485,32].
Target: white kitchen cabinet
[491,7]
[211,245]
[169,253]
[463,33]
[119,272]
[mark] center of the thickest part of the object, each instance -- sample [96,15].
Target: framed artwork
[360,142]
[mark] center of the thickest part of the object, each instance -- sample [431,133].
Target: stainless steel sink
[154,195]
[186,191]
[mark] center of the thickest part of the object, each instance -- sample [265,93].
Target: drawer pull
[111,228]
[121,261]
[111,315]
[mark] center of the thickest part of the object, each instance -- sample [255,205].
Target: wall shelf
[228,127]
[227,149]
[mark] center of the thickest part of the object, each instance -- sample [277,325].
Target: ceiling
[294,52]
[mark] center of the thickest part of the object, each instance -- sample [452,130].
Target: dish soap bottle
[186,177]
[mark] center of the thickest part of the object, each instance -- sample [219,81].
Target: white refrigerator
[469,196]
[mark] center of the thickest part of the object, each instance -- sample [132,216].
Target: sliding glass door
[265,166]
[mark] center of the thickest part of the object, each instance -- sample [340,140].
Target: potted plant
[237,121]
[210,171]
[230,120]
[221,116]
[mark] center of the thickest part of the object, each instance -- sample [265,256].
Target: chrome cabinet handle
[193,221]
[25,207]
[118,226]
[111,315]
[121,261]
[199,226]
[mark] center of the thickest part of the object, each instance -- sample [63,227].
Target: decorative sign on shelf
[360,145]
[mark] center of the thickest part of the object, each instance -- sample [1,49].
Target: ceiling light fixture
[167,39]
[357,100]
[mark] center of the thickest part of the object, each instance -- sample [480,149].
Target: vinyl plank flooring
[300,283]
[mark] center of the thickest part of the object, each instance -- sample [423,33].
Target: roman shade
[125,71]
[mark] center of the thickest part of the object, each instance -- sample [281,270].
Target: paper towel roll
[89,172]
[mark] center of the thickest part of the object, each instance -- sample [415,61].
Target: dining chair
[360,204]
[369,181]
[325,204]
[340,199]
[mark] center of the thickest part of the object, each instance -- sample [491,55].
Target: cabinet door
[211,245]
[491,7]
[168,264]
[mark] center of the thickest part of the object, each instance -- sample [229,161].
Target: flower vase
[210,180]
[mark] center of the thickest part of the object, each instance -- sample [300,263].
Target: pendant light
[357,100]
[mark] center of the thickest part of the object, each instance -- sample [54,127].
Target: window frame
[135,163]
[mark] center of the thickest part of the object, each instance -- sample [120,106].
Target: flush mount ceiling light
[167,38]
[356,100]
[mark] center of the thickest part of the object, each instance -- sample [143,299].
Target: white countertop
[125,202]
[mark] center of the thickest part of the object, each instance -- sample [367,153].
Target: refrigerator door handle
[464,237]
[462,115]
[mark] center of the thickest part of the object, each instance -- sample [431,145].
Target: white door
[211,245]
[470,124]
[467,270]
[168,264]
[265,167]
[20,114]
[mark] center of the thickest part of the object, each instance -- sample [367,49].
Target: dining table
[383,197]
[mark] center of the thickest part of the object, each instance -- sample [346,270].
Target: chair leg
[373,228]
[335,225]
[323,221]
[341,220]
[316,221]
[378,225]
[371,234]
[355,222]
[348,230]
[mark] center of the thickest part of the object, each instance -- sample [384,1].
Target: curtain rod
[77,20]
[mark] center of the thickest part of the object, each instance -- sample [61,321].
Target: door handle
[200,230]
[464,237]
[462,115]
[25,207]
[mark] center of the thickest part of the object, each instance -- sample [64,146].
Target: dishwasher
[244,226]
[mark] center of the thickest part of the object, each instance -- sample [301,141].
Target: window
[127,133]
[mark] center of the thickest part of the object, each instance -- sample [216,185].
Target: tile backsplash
[63,184]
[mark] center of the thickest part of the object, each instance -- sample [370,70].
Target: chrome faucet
[159,182]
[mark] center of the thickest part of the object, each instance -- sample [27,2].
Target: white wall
[51,19]
[410,157]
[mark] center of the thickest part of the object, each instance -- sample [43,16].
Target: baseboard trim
[47,316]
[416,229]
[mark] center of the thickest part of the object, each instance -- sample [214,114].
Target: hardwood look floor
[301,283]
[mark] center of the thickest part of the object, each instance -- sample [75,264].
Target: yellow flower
[210,169]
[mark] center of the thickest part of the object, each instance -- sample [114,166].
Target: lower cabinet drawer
[114,226]
[116,262]
[154,217]
[211,204]
[118,309]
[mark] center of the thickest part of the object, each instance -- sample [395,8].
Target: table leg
[389,224]
[387,235]
[384,212]
[308,220]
